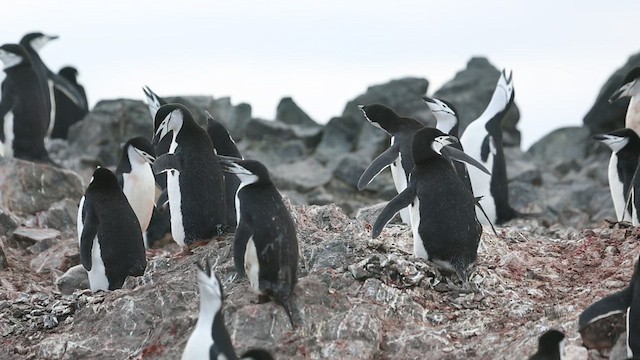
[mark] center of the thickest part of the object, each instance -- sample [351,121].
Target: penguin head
[70,73]
[630,85]
[103,178]
[36,40]
[248,171]
[551,343]
[444,112]
[381,117]
[139,149]
[257,354]
[170,117]
[618,139]
[210,286]
[12,55]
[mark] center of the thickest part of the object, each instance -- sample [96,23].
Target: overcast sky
[324,53]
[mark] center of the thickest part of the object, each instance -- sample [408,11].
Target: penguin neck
[447,126]
[209,308]
[632,119]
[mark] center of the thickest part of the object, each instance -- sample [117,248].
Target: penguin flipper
[243,234]
[452,153]
[70,91]
[615,303]
[166,162]
[378,164]
[396,204]
[89,232]
[163,199]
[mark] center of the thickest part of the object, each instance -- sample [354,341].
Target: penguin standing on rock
[398,155]
[23,108]
[443,220]
[482,140]
[550,346]
[265,247]
[195,184]
[111,246]
[630,88]
[625,151]
[136,179]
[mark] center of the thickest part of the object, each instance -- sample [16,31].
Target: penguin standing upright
[195,184]
[447,122]
[398,155]
[265,247]
[23,108]
[32,43]
[136,179]
[626,301]
[550,346]
[111,246]
[224,145]
[482,140]
[630,87]
[625,150]
[443,220]
[67,111]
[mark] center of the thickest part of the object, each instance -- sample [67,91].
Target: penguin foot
[262,299]
[621,224]
[185,251]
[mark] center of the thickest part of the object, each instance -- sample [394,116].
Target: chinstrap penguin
[443,219]
[265,247]
[630,88]
[398,155]
[111,246]
[136,179]
[67,111]
[195,183]
[23,108]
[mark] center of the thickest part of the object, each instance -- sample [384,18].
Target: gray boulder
[338,137]
[235,118]
[290,113]
[605,117]
[75,278]
[562,145]
[302,176]
[470,91]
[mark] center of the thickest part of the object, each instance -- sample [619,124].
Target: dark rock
[605,117]
[275,131]
[3,257]
[75,278]
[562,145]
[62,215]
[470,91]
[369,214]
[302,176]
[37,240]
[60,257]
[28,188]
[109,124]
[520,167]
[274,153]
[234,118]
[338,138]
[289,113]
[8,222]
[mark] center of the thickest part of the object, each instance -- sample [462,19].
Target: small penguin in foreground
[210,338]
[445,228]
[24,115]
[136,179]
[398,155]
[482,140]
[625,151]
[195,184]
[630,88]
[111,246]
[626,301]
[265,247]
[550,346]
[67,111]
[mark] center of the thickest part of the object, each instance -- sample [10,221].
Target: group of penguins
[446,192]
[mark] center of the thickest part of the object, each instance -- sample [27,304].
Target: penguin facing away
[23,108]
[445,228]
[630,87]
[482,140]
[625,151]
[265,247]
[550,346]
[136,179]
[195,184]
[398,155]
[626,301]
[67,111]
[111,246]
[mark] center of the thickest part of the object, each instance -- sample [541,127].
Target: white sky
[324,53]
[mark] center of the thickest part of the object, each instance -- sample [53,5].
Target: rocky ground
[357,298]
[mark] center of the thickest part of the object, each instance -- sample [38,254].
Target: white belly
[198,344]
[79,226]
[52,116]
[140,190]
[617,190]
[6,148]
[481,182]
[400,181]
[418,246]
[251,265]
[175,206]
[97,275]
[629,352]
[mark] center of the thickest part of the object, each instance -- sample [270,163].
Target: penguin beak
[621,92]
[52,37]
[599,137]
[229,165]
[162,131]
[452,153]
[428,100]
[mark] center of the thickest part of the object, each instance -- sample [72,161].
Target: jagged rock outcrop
[603,116]
[470,91]
[290,113]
